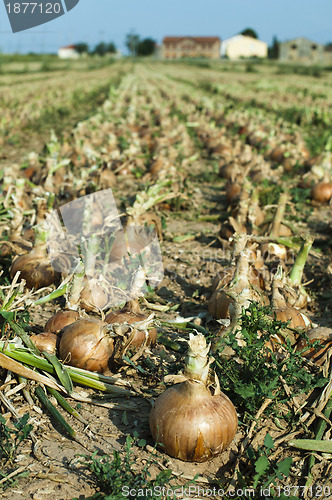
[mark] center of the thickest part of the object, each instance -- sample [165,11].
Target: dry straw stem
[246,441]
[320,402]
[14,473]
[15,367]
[16,415]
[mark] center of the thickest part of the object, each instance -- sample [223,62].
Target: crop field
[229,168]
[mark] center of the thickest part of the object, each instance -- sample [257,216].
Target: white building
[68,52]
[243,46]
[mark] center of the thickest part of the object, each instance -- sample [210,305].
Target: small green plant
[267,472]
[11,438]
[123,143]
[116,479]
[301,199]
[269,193]
[45,66]
[254,373]
[250,68]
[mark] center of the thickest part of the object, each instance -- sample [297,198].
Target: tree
[132,41]
[273,52]
[249,32]
[111,48]
[146,47]
[103,48]
[81,47]
[100,49]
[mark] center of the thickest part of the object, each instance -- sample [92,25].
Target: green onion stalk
[295,276]
[79,376]
[296,295]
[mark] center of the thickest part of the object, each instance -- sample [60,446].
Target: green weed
[12,438]
[266,472]
[115,477]
[254,373]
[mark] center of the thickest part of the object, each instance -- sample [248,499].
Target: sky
[93,21]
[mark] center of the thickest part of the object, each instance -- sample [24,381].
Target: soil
[55,462]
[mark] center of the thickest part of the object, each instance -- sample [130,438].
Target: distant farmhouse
[301,50]
[68,52]
[241,46]
[175,47]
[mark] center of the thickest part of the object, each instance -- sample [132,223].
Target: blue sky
[92,21]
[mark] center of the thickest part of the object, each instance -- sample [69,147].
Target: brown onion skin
[317,354]
[233,190]
[220,301]
[277,154]
[36,270]
[224,276]
[127,243]
[296,318]
[131,318]
[219,304]
[61,319]
[86,344]
[93,296]
[46,341]
[322,192]
[192,425]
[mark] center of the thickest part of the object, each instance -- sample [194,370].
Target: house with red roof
[68,52]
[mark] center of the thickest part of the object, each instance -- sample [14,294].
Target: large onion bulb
[35,266]
[187,420]
[86,344]
[61,319]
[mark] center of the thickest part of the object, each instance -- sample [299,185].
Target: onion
[288,163]
[131,241]
[94,295]
[187,420]
[136,320]
[322,192]
[233,190]
[287,291]
[86,344]
[61,319]
[46,341]
[35,268]
[229,170]
[318,354]
[277,154]
[243,288]
[295,317]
